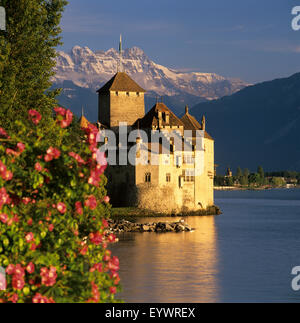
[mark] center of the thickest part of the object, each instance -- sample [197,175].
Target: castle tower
[121,99]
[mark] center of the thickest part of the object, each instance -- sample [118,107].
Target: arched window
[148,177]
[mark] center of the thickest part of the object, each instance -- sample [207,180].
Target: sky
[248,39]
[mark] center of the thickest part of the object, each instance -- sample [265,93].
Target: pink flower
[107,255]
[113,290]
[111,238]
[77,157]
[3,218]
[113,264]
[21,147]
[51,227]
[60,111]
[7,176]
[35,116]
[4,173]
[9,151]
[95,293]
[106,199]
[30,268]
[116,278]
[18,282]
[40,299]
[61,207]
[10,269]
[96,238]
[38,167]
[65,117]
[2,168]
[52,153]
[84,250]
[4,197]
[3,133]
[33,247]
[91,202]
[29,237]
[105,223]
[14,298]
[78,207]
[48,276]
[98,267]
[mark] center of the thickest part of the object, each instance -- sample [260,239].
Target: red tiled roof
[151,118]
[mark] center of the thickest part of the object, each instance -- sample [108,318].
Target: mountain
[90,70]
[76,97]
[259,125]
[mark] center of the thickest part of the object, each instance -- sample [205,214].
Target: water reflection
[170,267]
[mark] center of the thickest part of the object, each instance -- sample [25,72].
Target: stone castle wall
[127,186]
[120,106]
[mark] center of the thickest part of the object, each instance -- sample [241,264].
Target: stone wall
[126,108]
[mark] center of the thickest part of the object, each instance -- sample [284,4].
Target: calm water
[244,255]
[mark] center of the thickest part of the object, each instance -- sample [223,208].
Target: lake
[244,255]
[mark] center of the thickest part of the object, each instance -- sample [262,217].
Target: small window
[148,177]
[138,93]
[188,159]
[117,93]
[189,175]
[127,93]
[168,177]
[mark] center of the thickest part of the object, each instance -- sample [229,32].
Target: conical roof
[121,82]
[83,121]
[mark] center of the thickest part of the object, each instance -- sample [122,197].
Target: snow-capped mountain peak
[89,69]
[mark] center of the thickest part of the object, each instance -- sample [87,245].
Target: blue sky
[249,39]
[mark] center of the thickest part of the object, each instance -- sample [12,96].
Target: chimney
[167,118]
[159,118]
[203,123]
[186,109]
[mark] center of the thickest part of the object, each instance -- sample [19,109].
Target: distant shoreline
[235,188]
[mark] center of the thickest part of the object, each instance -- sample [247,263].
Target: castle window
[168,177]
[127,93]
[189,175]
[188,159]
[148,177]
[138,93]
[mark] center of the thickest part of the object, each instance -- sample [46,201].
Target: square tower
[121,99]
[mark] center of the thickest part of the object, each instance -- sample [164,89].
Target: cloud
[100,24]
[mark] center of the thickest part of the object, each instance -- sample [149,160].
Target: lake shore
[246,188]
[133,212]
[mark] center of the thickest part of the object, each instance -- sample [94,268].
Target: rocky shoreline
[121,226]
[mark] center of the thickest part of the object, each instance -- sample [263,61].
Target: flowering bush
[53,209]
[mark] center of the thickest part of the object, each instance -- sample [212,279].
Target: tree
[229,181]
[53,210]
[246,173]
[278,182]
[255,179]
[239,175]
[27,50]
[261,172]
[239,172]
[244,181]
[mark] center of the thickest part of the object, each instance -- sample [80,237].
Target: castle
[174,180]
